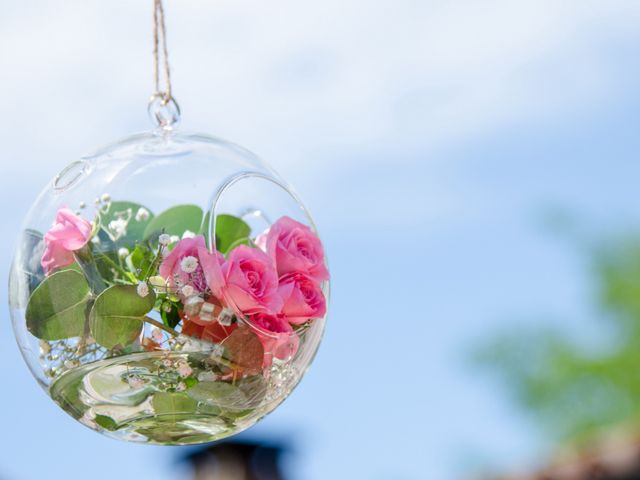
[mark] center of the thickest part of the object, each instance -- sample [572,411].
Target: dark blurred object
[237,461]
[614,457]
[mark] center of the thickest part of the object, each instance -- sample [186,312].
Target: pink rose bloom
[68,234]
[294,248]
[303,298]
[247,281]
[186,263]
[276,335]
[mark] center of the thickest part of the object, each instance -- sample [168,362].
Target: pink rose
[68,234]
[303,298]
[294,248]
[276,335]
[186,263]
[247,281]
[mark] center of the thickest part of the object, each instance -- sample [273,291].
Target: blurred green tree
[577,389]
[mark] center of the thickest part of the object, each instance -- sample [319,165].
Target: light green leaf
[172,404]
[219,394]
[106,422]
[175,221]
[117,315]
[140,260]
[56,309]
[230,232]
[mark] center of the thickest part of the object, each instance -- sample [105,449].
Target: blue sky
[430,139]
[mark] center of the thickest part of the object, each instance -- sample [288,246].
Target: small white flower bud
[188,291]
[164,239]
[142,289]
[142,215]
[123,253]
[105,198]
[184,370]
[189,264]
[135,382]
[188,234]
[157,335]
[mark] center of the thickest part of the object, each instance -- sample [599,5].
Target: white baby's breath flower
[167,363]
[187,291]
[142,215]
[188,234]
[189,264]
[174,238]
[123,252]
[135,382]
[142,289]
[184,369]
[164,239]
[118,227]
[157,335]
[105,198]
[82,205]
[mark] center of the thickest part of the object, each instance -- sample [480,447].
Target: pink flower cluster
[275,286]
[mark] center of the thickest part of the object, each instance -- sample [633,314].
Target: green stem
[113,264]
[154,264]
[162,326]
[85,259]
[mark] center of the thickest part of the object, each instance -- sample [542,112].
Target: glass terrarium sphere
[169,289]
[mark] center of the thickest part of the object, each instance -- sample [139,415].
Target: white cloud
[308,85]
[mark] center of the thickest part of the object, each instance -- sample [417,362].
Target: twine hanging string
[163,108]
[160,34]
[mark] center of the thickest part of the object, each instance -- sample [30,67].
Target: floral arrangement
[130,282]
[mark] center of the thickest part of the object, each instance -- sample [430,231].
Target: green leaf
[140,259]
[175,221]
[127,211]
[173,404]
[219,394]
[117,315]
[56,309]
[33,248]
[106,422]
[172,318]
[190,381]
[230,232]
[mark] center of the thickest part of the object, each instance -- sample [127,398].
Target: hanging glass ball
[168,289]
